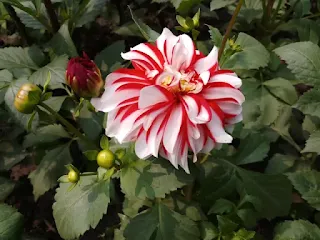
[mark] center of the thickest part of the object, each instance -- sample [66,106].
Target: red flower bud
[84,77]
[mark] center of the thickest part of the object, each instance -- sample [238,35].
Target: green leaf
[249,217]
[303,60]
[118,233]
[274,190]
[280,163]
[217,4]
[253,148]
[253,55]
[10,154]
[282,89]
[11,223]
[16,57]
[243,234]
[104,60]
[57,69]
[132,206]
[90,12]
[50,169]
[313,142]
[149,34]
[62,42]
[308,185]
[184,6]
[208,231]
[76,211]
[251,107]
[91,155]
[55,102]
[21,118]
[215,36]
[301,8]
[307,29]
[310,124]
[269,106]
[222,206]
[217,182]
[6,187]
[46,134]
[90,122]
[27,19]
[282,124]
[309,102]
[297,230]
[250,11]
[145,179]
[104,142]
[162,223]
[225,225]
[5,78]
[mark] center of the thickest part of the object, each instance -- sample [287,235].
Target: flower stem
[229,28]
[188,192]
[52,15]
[68,125]
[313,15]
[274,15]
[284,17]
[20,26]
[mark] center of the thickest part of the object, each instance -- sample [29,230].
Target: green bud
[27,98]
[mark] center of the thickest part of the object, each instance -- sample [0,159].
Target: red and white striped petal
[152,51]
[152,95]
[142,59]
[208,62]
[183,53]
[226,77]
[231,108]
[198,111]
[155,135]
[216,129]
[165,43]
[141,146]
[172,128]
[215,93]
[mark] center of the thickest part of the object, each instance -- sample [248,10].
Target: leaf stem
[229,28]
[52,15]
[68,125]
[20,26]
[88,174]
[287,13]
[312,16]
[275,13]
[188,192]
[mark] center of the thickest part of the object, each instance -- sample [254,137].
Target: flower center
[180,81]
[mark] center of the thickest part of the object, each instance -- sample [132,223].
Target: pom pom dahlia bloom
[174,100]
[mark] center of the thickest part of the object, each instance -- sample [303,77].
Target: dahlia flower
[174,100]
[84,77]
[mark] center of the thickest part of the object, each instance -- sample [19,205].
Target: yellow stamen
[167,81]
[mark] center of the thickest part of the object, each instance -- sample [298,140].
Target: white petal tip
[224,139]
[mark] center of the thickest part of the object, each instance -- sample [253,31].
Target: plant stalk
[52,15]
[287,13]
[188,192]
[68,125]
[274,15]
[20,26]
[229,28]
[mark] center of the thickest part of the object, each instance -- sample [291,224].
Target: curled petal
[208,62]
